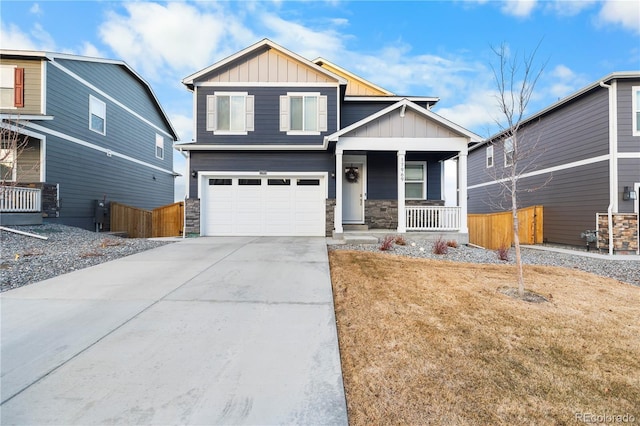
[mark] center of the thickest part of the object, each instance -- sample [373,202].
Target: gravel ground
[25,260]
[627,271]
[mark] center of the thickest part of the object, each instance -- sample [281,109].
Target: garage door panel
[271,206]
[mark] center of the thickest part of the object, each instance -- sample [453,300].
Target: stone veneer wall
[192,219]
[383,214]
[625,233]
[330,215]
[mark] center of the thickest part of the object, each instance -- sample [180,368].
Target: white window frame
[159,147]
[635,108]
[212,113]
[321,113]
[423,180]
[99,109]
[13,157]
[7,73]
[490,158]
[507,157]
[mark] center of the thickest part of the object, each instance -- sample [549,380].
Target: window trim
[14,161]
[635,110]
[423,181]
[321,113]
[160,145]
[490,160]
[93,100]
[506,152]
[12,72]
[211,110]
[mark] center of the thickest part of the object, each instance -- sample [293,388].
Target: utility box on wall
[101,214]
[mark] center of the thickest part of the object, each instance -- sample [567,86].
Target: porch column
[402,225]
[462,191]
[337,213]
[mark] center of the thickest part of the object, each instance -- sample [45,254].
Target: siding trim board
[262,84]
[95,147]
[110,98]
[548,170]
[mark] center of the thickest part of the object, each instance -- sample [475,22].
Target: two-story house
[586,148]
[89,129]
[289,146]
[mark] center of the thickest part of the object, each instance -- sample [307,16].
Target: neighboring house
[95,131]
[288,146]
[588,144]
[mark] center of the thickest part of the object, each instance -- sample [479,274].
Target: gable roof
[349,76]
[262,44]
[52,56]
[618,75]
[401,105]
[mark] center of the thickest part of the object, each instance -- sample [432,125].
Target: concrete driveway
[203,331]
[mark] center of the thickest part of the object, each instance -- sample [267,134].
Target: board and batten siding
[32,86]
[266,117]
[266,65]
[253,161]
[412,125]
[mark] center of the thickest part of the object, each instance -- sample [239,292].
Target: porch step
[360,239]
[352,227]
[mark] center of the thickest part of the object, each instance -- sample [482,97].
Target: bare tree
[12,144]
[515,79]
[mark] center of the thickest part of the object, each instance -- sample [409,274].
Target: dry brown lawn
[435,342]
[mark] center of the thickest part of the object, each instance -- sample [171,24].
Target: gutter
[613,159]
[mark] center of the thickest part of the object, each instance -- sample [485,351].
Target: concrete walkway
[203,331]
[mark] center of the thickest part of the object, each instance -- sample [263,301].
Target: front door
[353,192]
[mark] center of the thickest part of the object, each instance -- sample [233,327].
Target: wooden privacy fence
[165,221]
[495,230]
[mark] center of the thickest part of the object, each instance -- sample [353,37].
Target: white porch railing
[14,199]
[432,218]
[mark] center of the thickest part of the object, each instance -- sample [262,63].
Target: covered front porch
[390,174]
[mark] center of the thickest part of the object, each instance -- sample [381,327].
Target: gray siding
[626,141]
[382,175]
[628,175]
[86,174]
[247,161]
[266,116]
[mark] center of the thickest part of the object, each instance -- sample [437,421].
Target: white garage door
[271,205]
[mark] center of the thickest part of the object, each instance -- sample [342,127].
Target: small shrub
[387,243]
[400,240]
[452,243]
[503,253]
[440,246]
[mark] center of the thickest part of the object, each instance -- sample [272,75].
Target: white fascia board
[94,147]
[390,98]
[406,103]
[211,147]
[402,144]
[265,84]
[189,80]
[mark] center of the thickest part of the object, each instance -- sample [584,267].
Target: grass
[435,342]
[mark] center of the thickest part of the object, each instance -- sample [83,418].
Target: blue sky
[425,48]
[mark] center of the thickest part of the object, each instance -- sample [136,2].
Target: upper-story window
[11,87]
[508,152]
[97,115]
[159,146]
[489,156]
[230,113]
[636,110]
[415,180]
[303,113]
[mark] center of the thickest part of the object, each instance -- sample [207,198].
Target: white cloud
[89,49]
[478,112]
[36,9]
[621,12]
[12,37]
[176,36]
[569,8]
[518,8]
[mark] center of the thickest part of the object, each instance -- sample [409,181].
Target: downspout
[613,162]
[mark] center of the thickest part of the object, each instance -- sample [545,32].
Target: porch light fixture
[194,174]
[629,194]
